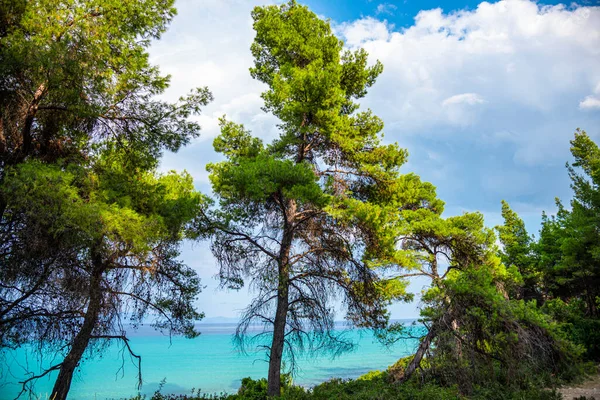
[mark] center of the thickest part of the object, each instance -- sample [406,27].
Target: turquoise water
[210,362]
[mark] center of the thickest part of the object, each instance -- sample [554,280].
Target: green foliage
[567,252]
[253,389]
[569,242]
[258,179]
[500,392]
[575,326]
[312,215]
[77,72]
[518,252]
[375,385]
[89,232]
[379,387]
[109,201]
[108,218]
[498,341]
[481,332]
[257,389]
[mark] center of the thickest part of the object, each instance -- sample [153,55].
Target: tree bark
[29,117]
[455,328]
[2,138]
[80,343]
[425,344]
[420,353]
[276,354]
[278,342]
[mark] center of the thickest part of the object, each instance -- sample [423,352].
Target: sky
[484,95]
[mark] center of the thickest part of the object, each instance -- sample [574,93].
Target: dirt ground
[590,389]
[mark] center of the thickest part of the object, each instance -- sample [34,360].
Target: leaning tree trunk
[71,361]
[425,344]
[419,354]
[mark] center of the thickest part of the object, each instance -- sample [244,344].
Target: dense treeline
[90,231]
[560,269]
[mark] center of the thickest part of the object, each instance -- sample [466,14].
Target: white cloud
[364,30]
[531,63]
[460,109]
[386,8]
[464,98]
[527,61]
[590,103]
[208,44]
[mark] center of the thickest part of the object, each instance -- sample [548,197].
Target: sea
[211,363]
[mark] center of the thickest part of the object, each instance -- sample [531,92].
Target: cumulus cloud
[362,31]
[590,103]
[208,44]
[467,78]
[531,63]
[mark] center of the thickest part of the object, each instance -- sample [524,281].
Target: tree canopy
[89,231]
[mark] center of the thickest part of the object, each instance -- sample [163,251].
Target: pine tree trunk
[425,344]
[278,343]
[29,118]
[457,339]
[276,355]
[420,353]
[71,361]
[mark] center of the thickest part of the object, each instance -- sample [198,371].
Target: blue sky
[400,12]
[485,97]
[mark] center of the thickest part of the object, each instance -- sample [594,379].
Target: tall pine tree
[309,217]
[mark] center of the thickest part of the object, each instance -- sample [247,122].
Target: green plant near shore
[380,385]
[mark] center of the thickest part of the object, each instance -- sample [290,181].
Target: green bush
[576,326]
[257,389]
[252,390]
[377,385]
[499,392]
